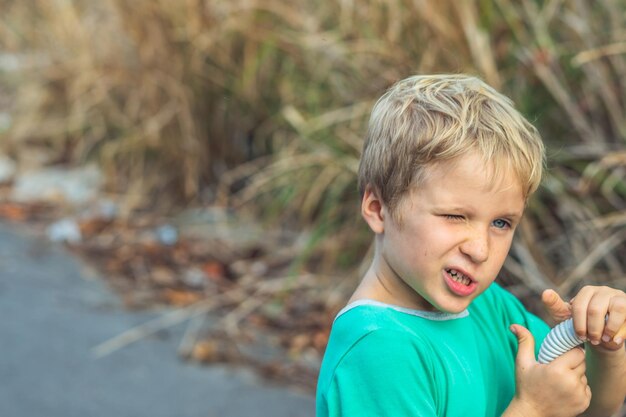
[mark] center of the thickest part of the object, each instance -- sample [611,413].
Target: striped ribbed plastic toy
[561,339]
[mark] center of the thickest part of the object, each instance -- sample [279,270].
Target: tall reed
[264,102]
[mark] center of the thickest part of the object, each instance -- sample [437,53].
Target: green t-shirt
[384,360]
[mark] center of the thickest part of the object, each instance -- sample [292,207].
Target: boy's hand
[556,389]
[599,314]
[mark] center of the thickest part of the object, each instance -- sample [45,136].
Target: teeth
[459,277]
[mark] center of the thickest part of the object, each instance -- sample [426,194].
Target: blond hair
[427,119]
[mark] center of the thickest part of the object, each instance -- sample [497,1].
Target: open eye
[501,224]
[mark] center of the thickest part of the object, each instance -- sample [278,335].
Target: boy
[447,167]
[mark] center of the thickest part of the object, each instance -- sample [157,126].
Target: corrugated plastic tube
[559,340]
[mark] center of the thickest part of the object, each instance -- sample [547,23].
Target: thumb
[558,309]
[526,346]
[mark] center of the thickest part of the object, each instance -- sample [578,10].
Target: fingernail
[606,338]
[595,342]
[618,340]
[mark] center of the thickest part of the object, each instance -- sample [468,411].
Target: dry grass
[575,231]
[264,102]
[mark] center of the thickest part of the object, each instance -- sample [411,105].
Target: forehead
[475,171]
[468,181]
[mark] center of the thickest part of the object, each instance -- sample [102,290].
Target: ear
[373,210]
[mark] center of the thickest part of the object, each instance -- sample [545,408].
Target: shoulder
[368,328]
[375,368]
[376,337]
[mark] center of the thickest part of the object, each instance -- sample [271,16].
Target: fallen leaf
[13,212]
[214,270]
[163,276]
[180,298]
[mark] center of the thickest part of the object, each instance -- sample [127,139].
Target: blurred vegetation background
[260,106]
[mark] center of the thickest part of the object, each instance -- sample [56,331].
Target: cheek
[442,239]
[422,241]
[433,244]
[501,248]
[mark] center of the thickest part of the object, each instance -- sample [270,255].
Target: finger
[581,369]
[558,309]
[583,379]
[620,335]
[596,316]
[526,347]
[573,359]
[579,311]
[616,318]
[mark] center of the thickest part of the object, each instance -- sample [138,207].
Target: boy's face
[455,231]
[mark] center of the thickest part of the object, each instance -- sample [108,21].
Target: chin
[452,308]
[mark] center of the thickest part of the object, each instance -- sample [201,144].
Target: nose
[476,246]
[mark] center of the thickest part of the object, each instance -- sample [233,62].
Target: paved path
[52,315]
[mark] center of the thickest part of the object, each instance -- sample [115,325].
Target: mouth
[460,277]
[459,282]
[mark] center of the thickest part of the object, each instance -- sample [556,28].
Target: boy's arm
[600,317]
[606,372]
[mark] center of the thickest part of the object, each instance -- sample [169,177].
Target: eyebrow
[465,209]
[512,215]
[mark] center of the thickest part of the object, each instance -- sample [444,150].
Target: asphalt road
[53,313]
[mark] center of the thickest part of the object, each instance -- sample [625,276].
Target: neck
[381,284]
